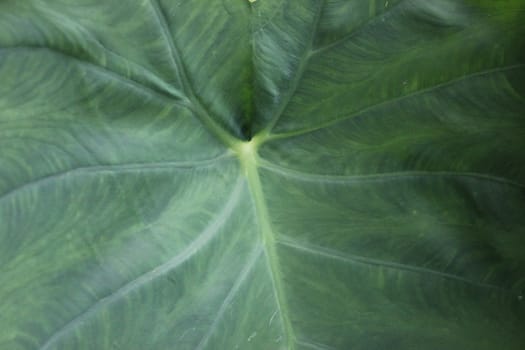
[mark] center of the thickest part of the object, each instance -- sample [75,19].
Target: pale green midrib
[114,169]
[360,259]
[249,164]
[195,103]
[208,234]
[445,84]
[360,178]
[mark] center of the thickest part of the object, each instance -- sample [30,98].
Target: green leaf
[275,174]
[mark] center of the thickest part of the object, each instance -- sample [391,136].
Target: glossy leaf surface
[276,174]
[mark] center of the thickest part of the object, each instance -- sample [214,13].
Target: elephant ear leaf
[272,174]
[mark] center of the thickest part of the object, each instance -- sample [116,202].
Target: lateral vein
[193,248]
[243,275]
[197,106]
[358,259]
[114,168]
[369,108]
[162,93]
[379,177]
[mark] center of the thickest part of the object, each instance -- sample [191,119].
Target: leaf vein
[300,70]
[197,106]
[114,168]
[268,238]
[311,345]
[363,260]
[193,248]
[104,71]
[379,177]
[445,84]
[353,32]
[243,275]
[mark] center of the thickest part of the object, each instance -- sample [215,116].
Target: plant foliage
[270,174]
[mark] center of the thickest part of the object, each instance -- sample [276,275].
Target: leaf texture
[270,174]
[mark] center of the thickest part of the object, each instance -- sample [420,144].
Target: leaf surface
[273,174]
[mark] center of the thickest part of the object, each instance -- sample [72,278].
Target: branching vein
[193,248]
